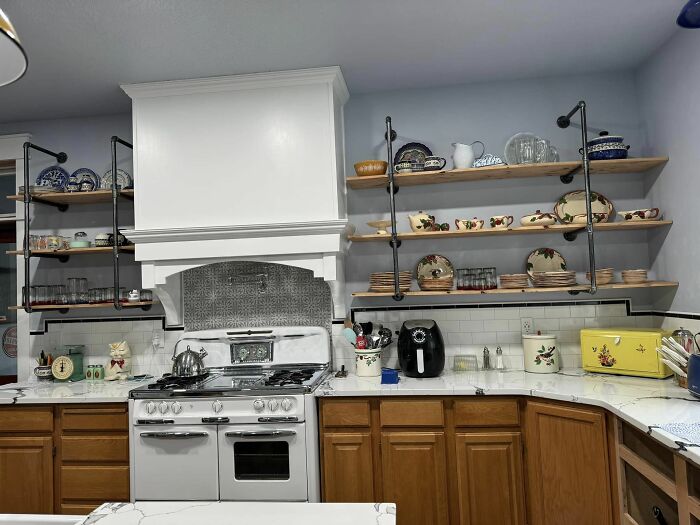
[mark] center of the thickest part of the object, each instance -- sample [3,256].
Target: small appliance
[421,349]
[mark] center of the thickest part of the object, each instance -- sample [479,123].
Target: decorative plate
[85,173]
[53,176]
[545,260]
[9,342]
[510,153]
[574,203]
[412,152]
[123,179]
[434,266]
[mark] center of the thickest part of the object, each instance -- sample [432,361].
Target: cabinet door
[413,473]
[490,478]
[26,475]
[348,473]
[567,464]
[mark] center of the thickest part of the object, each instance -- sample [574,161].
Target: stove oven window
[261,460]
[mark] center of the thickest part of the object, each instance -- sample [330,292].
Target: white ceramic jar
[368,363]
[541,354]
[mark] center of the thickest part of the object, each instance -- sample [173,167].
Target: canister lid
[539,336]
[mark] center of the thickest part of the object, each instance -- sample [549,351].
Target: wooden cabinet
[490,478]
[63,458]
[567,465]
[26,475]
[348,471]
[414,476]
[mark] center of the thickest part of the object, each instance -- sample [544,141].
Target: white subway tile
[477,314]
[496,325]
[462,338]
[582,310]
[514,325]
[546,324]
[571,361]
[471,326]
[449,326]
[610,310]
[507,313]
[484,338]
[572,323]
[557,311]
[534,312]
[508,337]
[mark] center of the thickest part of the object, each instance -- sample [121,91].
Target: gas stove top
[230,381]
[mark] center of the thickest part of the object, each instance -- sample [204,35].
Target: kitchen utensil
[574,203]
[357,328]
[544,260]
[421,349]
[370,167]
[188,363]
[385,335]
[501,222]
[412,152]
[465,363]
[644,214]
[463,155]
[541,354]
[521,149]
[433,267]
[538,219]
[673,366]
[54,177]
[674,356]
[686,339]
[382,227]
[349,335]
[673,344]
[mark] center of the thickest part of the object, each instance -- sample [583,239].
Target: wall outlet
[526,326]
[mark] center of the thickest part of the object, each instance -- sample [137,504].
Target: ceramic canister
[541,354]
[368,362]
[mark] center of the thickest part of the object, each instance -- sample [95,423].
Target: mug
[501,222]
[434,163]
[403,167]
[72,185]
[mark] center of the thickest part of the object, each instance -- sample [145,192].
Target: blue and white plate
[54,177]
[85,173]
[123,179]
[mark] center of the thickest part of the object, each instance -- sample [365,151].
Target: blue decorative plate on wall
[123,179]
[85,173]
[53,176]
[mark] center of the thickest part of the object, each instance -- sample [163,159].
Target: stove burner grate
[168,382]
[290,377]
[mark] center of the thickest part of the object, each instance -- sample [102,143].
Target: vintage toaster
[624,351]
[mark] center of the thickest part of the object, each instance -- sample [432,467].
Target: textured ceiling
[80,50]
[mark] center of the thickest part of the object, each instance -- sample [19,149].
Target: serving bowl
[370,167]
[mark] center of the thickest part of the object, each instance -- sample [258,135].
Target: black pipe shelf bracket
[563,122]
[389,137]
[116,193]
[60,157]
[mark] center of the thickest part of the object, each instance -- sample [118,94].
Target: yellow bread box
[624,351]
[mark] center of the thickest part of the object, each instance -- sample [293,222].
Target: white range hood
[246,167]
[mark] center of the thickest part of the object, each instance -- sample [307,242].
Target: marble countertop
[644,403]
[244,513]
[78,392]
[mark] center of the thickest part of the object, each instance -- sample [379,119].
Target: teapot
[469,224]
[463,155]
[422,222]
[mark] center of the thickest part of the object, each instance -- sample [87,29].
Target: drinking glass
[146,295]
[542,150]
[526,149]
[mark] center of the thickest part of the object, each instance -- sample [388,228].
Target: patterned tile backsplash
[239,294]
[468,330]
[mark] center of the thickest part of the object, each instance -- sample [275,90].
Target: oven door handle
[261,433]
[174,435]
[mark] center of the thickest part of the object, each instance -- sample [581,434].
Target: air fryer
[421,349]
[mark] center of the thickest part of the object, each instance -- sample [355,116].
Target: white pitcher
[463,155]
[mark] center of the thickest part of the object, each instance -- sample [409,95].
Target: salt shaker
[499,359]
[487,359]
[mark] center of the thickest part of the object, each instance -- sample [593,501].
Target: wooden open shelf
[82,306]
[75,251]
[520,230]
[88,197]
[517,171]
[515,291]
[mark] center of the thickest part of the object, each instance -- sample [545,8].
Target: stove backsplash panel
[240,293]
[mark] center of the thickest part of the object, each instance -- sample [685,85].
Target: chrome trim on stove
[155,421]
[278,419]
[261,433]
[216,420]
[174,435]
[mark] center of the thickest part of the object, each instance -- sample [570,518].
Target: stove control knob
[273,404]
[163,407]
[217,406]
[150,407]
[259,405]
[286,404]
[176,408]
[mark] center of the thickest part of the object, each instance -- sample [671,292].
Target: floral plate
[123,179]
[85,173]
[574,203]
[434,266]
[545,260]
[54,177]
[412,152]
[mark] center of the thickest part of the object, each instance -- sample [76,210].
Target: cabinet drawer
[95,483]
[400,413]
[79,509]
[346,413]
[487,413]
[95,449]
[29,419]
[110,417]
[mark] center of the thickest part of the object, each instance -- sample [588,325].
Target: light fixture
[13,60]
[690,15]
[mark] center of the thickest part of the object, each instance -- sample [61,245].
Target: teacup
[434,163]
[403,167]
[644,214]
[72,185]
[501,222]
[469,224]
[596,217]
[87,185]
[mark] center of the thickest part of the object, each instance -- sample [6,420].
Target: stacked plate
[602,276]
[438,284]
[384,281]
[35,190]
[554,279]
[514,280]
[634,276]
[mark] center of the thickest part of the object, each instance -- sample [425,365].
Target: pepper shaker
[487,359]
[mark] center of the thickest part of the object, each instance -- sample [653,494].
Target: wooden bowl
[370,167]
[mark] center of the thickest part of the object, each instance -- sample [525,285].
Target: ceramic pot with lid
[541,354]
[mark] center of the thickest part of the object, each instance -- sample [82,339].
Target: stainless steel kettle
[189,363]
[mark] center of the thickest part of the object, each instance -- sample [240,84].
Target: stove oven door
[175,462]
[262,462]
